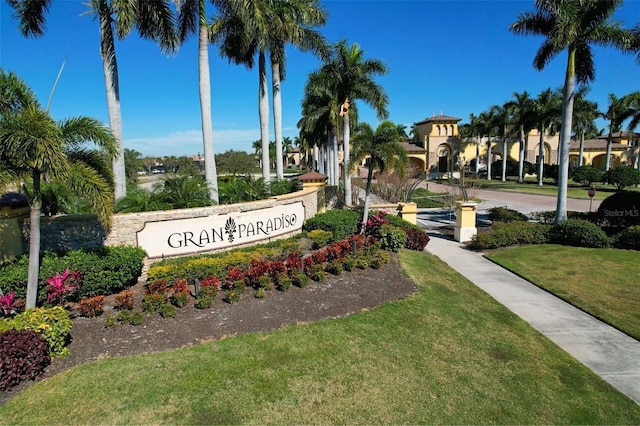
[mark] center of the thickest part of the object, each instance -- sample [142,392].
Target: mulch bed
[335,297]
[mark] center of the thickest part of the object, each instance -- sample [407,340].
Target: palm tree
[33,147]
[486,128]
[192,19]
[547,110]
[499,117]
[572,25]
[152,19]
[632,102]
[384,152]
[522,110]
[287,147]
[616,113]
[295,23]
[584,114]
[351,78]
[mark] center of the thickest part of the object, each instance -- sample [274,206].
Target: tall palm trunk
[489,158]
[521,157]
[607,163]
[541,156]
[277,115]
[504,158]
[204,86]
[565,134]
[581,152]
[263,112]
[477,156]
[347,160]
[367,197]
[110,69]
[315,158]
[34,243]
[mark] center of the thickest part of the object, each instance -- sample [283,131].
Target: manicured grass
[531,187]
[448,354]
[603,282]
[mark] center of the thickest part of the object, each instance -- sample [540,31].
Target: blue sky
[450,57]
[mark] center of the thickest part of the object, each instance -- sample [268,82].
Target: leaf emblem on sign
[230,228]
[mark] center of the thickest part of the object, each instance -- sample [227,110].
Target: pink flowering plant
[60,286]
[10,304]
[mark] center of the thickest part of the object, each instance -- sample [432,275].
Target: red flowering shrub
[294,261]
[180,286]
[59,286]
[91,307]
[320,256]
[10,304]
[257,269]
[210,281]
[157,287]
[124,300]
[277,269]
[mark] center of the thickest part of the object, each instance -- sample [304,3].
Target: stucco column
[465,227]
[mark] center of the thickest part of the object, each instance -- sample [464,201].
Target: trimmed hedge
[503,214]
[510,234]
[629,238]
[341,223]
[621,209]
[579,233]
[105,271]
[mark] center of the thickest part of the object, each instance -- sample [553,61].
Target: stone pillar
[465,221]
[409,212]
[315,180]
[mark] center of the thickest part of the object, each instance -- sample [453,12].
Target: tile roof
[411,147]
[597,144]
[440,118]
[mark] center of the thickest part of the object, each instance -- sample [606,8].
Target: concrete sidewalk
[611,354]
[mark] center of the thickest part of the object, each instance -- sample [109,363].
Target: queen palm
[297,19]
[616,113]
[522,109]
[34,147]
[152,19]
[351,76]
[384,151]
[499,117]
[572,25]
[192,19]
[546,113]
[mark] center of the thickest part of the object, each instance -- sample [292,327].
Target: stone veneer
[72,232]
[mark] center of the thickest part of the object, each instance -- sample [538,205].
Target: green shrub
[510,234]
[284,283]
[105,271]
[349,263]
[320,237]
[232,295]
[578,233]
[128,316]
[154,302]
[317,273]
[392,238]
[503,214]
[379,259]
[299,279]
[620,210]
[24,355]
[260,293]
[341,223]
[586,175]
[623,176]
[629,238]
[53,323]
[204,301]
[334,267]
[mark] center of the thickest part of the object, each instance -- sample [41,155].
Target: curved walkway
[611,354]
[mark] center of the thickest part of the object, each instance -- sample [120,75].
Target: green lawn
[530,186]
[448,354]
[603,282]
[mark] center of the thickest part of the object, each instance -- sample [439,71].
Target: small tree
[623,176]
[586,175]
